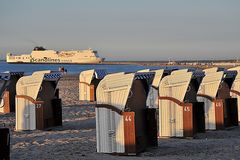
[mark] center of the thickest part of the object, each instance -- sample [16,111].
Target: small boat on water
[42,55]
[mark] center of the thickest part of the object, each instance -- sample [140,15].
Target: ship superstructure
[42,55]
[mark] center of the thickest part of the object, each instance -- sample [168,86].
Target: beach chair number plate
[128,118]
[38,105]
[186,109]
[218,104]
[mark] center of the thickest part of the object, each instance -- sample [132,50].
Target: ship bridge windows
[39,48]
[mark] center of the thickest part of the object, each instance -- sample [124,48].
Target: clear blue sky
[124,29]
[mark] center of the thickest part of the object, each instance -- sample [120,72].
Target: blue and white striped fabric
[100,73]
[5,76]
[52,76]
[16,73]
[171,68]
[230,74]
[198,74]
[144,75]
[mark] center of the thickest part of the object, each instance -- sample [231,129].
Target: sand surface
[76,138]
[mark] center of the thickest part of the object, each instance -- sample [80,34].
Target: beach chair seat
[220,108]
[124,124]
[4,143]
[38,105]
[180,115]
[8,82]
[88,82]
[235,88]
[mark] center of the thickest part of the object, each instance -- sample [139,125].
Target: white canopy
[210,84]
[114,89]
[30,85]
[175,85]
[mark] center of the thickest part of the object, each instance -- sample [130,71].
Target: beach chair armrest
[29,99]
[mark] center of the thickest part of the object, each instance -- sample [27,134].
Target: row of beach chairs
[34,98]
[187,101]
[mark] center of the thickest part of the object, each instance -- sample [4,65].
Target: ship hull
[53,63]
[49,60]
[89,62]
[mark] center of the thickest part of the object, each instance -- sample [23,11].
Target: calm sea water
[73,69]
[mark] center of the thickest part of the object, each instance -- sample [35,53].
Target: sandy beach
[76,138]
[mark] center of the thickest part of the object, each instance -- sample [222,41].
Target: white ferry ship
[42,55]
